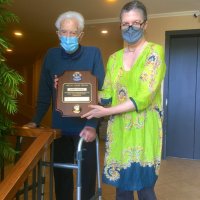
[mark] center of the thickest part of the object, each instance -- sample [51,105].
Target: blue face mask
[70,44]
[132,35]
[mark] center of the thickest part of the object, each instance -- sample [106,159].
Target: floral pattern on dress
[122,94]
[152,62]
[134,135]
[137,122]
[112,171]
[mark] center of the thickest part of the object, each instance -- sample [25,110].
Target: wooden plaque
[76,90]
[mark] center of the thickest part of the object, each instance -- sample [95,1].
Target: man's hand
[30,125]
[55,81]
[88,134]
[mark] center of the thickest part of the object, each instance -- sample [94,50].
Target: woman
[133,88]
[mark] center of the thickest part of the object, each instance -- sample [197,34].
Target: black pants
[65,152]
[144,194]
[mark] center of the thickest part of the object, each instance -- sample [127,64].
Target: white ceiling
[37,19]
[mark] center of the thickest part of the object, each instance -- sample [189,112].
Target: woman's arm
[100,111]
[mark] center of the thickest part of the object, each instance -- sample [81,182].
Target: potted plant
[9,87]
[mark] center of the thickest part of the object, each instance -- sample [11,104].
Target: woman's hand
[97,112]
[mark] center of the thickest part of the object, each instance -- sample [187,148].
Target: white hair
[71,15]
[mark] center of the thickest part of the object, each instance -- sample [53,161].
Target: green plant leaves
[9,86]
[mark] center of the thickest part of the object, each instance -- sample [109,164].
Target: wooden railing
[28,161]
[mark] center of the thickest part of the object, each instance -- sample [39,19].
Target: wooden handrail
[35,132]
[19,173]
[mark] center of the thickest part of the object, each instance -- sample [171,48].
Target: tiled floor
[179,180]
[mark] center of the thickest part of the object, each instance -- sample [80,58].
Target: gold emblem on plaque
[77,108]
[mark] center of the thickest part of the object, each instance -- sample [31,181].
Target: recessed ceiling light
[104,31]
[18,33]
[111,1]
[9,50]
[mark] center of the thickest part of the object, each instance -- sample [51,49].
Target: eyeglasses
[135,25]
[67,33]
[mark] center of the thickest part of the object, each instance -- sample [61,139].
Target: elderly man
[70,56]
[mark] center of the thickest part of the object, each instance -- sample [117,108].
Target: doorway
[182,95]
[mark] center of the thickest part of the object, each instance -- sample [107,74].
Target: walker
[77,166]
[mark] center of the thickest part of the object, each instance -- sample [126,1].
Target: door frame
[168,36]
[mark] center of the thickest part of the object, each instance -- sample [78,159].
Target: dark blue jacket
[55,63]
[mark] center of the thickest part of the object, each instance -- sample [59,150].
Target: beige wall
[157,27]
[155,33]
[108,43]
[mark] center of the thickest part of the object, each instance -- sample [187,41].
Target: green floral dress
[134,139]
